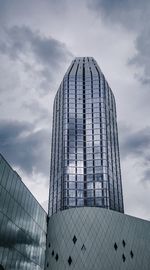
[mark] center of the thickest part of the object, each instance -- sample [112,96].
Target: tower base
[97,239]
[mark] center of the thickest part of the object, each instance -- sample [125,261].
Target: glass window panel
[79,177]
[80,193]
[90,193]
[98,202]
[71,193]
[72,202]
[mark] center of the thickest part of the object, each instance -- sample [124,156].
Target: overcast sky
[38,40]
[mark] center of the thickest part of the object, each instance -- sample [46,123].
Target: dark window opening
[56,258]
[74,239]
[53,253]
[123,258]
[83,248]
[123,243]
[47,264]
[70,260]
[131,254]
[49,245]
[115,246]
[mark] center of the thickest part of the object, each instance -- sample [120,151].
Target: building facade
[22,224]
[87,227]
[92,238]
[85,163]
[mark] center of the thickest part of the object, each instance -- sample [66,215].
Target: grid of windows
[85,162]
[22,223]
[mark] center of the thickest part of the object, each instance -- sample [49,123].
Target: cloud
[136,145]
[42,113]
[31,47]
[22,39]
[35,59]
[116,34]
[125,12]
[25,147]
[136,142]
[21,238]
[146,176]
[18,236]
[133,15]
[141,58]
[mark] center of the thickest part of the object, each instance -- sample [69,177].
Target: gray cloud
[23,40]
[133,15]
[18,237]
[24,147]
[136,144]
[41,112]
[141,58]
[126,12]
[146,176]
[29,80]
[21,43]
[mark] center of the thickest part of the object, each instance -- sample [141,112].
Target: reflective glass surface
[85,162]
[22,224]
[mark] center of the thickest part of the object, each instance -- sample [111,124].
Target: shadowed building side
[22,224]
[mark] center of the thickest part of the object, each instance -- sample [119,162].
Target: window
[115,246]
[56,257]
[74,239]
[131,254]
[83,248]
[123,258]
[123,243]
[69,260]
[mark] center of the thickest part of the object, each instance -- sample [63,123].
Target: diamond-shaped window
[123,243]
[131,254]
[69,260]
[74,239]
[56,257]
[123,258]
[83,248]
[115,246]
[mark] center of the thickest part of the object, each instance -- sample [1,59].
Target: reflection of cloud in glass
[17,236]
[98,185]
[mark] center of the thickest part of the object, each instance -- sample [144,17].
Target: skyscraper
[85,162]
[83,232]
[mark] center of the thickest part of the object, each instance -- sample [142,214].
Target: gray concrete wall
[97,239]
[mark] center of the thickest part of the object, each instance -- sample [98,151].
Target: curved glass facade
[22,224]
[85,162]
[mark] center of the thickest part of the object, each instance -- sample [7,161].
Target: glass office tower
[85,162]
